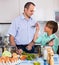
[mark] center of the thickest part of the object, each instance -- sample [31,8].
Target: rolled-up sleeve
[13,29]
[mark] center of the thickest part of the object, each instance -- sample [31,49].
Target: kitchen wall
[45,9]
[4,29]
[9,9]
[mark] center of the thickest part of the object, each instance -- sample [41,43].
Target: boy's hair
[52,25]
[28,4]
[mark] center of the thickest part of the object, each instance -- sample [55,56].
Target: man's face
[29,12]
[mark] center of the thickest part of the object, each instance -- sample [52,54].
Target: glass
[37,49]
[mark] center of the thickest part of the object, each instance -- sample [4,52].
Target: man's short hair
[28,4]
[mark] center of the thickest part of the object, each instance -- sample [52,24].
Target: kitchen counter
[40,60]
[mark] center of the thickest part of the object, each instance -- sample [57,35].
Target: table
[40,60]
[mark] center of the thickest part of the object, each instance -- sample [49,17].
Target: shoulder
[44,34]
[16,20]
[56,38]
[54,35]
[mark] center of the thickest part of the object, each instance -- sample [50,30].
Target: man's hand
[29,47]
[19,51]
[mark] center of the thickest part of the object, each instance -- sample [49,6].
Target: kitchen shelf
[5,23]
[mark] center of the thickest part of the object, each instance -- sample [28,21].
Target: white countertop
[40,60]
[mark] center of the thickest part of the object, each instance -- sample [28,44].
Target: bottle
[51,58]
[51,61]
[45,55]
[42,49]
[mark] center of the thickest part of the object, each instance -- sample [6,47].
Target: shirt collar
[23,17]
[50,35]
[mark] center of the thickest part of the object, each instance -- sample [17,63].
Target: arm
[11,39]
[12,43]
[29,47]
[36,32]
[35,35]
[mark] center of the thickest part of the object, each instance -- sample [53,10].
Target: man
[22,30]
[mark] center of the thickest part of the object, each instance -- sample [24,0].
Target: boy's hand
[51,43]
[37,26]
